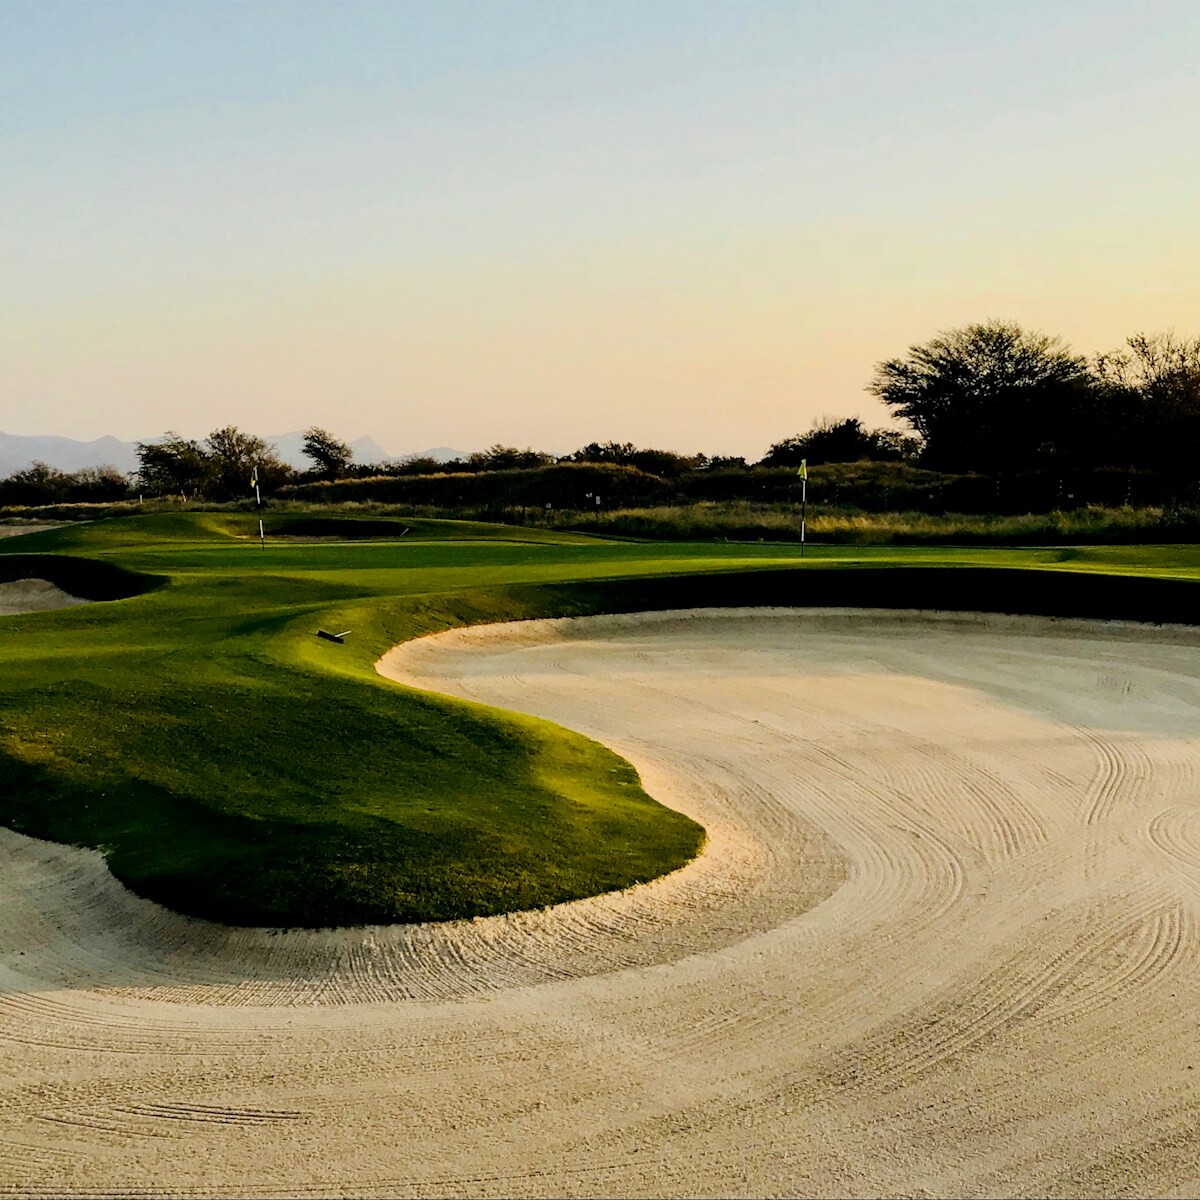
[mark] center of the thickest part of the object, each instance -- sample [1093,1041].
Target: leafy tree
[42,484]
[37,484]
[233,457]
[507,458]
[173,466]
[665,463]
[414,464]
[894,445]
[625,454]
[1149,405]
[986,395]
[621,453]
[720,462]
[220,468]
[330,458]
[97,485]
[848,440]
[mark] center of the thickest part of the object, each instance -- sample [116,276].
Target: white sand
[943,941]
[16,529]
[34,595]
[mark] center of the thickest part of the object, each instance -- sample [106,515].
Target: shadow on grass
[1015,591]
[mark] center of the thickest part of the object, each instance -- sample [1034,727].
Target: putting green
[232,765]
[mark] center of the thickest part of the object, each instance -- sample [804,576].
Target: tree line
[221,466]
[989,398]
[993,397]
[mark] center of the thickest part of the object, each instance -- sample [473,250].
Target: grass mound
[231,768]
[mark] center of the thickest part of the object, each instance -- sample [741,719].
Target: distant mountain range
[17,453]
[67,454]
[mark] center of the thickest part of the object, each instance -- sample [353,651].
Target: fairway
[951,885]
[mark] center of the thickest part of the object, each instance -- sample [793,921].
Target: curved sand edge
[34,595]
[762,866]
[96,932]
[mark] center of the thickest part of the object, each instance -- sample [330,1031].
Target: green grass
[233,766]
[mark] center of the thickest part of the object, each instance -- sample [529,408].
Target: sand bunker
[943,941]
[34,595]
[15,529]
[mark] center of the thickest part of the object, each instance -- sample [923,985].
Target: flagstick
[262,535]
[803,511]
[803,473]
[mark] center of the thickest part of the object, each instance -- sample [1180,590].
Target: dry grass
[744,521]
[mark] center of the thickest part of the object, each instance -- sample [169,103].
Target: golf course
[593,866]
[234,766]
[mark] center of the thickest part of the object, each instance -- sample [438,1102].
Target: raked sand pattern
[942,941]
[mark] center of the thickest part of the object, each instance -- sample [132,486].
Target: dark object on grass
[334,637]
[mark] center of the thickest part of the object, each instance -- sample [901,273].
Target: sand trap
[34,595]
[943,941]
[16,529]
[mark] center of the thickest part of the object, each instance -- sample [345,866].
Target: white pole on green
[803,473]
[262,534]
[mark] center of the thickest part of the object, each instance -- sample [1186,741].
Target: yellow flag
[254,477]
[802,470]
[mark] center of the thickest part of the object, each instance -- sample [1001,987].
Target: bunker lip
[82,578]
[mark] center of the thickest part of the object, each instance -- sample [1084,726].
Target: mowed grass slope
[233,766]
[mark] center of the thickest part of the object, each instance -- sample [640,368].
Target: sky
[685,224]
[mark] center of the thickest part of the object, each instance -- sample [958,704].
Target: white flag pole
[803,503]
[262,534]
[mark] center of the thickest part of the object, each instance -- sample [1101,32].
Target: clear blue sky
[693,224]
